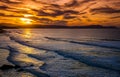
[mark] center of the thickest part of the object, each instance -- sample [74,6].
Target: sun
[26,21]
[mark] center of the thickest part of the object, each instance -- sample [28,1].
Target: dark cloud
[9,1]
[45,20]
[89,20]
[114,17]
[60,22]
[76,3]
[88,6]
[40,19]
[84,17]
[54,13]
[82,13]
[2,14]
[116,3]
[49,11]
[68,16]
[3,7]
[18,11]
[57,12]
[72,3]
[49,21]
[104,10]
[55,5]
[71,12]
[86,1]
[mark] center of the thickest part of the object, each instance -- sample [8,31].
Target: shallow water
[64,52]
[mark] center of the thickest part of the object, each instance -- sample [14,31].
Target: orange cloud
[67,12]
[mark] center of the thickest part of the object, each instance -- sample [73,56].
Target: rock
[19,70]
[16,67]
[2,31]
[7,67]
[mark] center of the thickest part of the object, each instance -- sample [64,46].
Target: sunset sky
[60,12]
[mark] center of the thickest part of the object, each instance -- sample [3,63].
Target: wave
[97,61]
[26,62]
[99,44]
[61,57]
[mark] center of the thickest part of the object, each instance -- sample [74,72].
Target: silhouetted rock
[7,67]
[20,70]
[16,67]
[2,31]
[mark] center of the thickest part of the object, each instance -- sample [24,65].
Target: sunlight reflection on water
[27,33]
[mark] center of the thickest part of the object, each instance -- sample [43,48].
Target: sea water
[64,52]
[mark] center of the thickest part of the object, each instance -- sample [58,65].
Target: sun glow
[26,21]
[28,15]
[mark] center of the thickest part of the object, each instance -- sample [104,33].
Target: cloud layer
[61,12]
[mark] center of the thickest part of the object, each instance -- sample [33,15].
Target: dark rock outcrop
[2,31]
[7,67]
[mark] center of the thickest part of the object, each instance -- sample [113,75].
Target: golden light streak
[24,8]
[26,21]
[27,33]
[27,15]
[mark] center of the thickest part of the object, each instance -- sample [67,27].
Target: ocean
[61,52]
